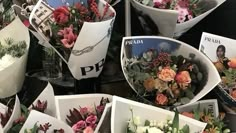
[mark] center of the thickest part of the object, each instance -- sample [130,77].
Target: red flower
[161,99]
[188,114]
[61,15]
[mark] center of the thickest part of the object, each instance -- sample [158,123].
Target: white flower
[149,129]
[154,130]
[6,61]
[137,120]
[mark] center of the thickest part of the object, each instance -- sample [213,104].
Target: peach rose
[161,99]
[166,74]
[233,94]
[232,63]
[149,84]
[188,114]
[183,77]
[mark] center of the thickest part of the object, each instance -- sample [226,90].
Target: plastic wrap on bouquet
[121,114]
[210,105]
[221,51]
[16,112]
[13,75]
[36,118]
[165,20]
[67,104]
[47,98]
[165,71]
[92,40]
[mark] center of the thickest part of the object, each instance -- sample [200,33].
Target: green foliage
[175,122]
[33,130]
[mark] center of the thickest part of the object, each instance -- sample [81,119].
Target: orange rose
[166,74]
[161,99]
[183,77]
[149,84]
[232,63]
[188,114]
[233,94]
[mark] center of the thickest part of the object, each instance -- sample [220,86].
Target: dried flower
[161,99]
[4,117]
[149,84]
[40,106]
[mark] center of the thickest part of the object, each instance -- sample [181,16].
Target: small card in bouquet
[38,121]
[67,27]
[172,18]
[221,51]
[128,115]
[165,71]
[88,109]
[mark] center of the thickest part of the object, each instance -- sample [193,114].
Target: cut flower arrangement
[86,119]
[152,126]
[166,79]
[187,9]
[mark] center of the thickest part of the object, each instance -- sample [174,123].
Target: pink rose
[183,77]
[61,15]
[166,74]
[233,94]
[100,108]
[232,63]
[88,130]
[83,111]
[69,37]
[188,114]
[80,125]
[92,119]
[161,99]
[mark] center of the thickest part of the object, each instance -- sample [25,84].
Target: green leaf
[184,100]
[147,123]
[186,129]
[175,121]
[24,110]
[196,112]
[189,94]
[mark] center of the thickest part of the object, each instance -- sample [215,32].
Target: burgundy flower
[40,106]
[80,125]
[100,108]
[61,15]
[92,119]
[5,117]
[83,111]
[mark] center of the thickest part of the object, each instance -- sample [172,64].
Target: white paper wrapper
[135,46]
[165,20]
[47,95]
[208,46]
[121,114]
[14,74]
[65,103]
[96,48]
[41,118]
[15,114]
[209,105]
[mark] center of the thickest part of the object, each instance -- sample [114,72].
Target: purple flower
[92,119]
[80,125]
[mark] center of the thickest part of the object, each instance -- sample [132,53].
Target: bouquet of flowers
[173,17]
[66,26]
[224,60]
[14,45]
[38,122]
[166,72]
[83,112]
[157,120]
[206,111]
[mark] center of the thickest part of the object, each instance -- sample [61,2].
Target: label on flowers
[221,51]
[165,71]
[76,30]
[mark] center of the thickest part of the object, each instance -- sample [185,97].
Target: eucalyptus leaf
[189,94]
[184,100]
[186,129]
[199,76]
[175,124]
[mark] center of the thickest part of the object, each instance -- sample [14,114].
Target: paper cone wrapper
[13,76]
[41,118]
[104,126]
[121,115]
[165,20]
[92,41]
[208,46]
[47,95]
[65,103]
[134,47]
[15,114]
[210,105]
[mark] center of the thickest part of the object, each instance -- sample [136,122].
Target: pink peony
[183,77]
[88,130]
[92,119]
[80,125]
[69,37]
[166,74]
[161,99]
